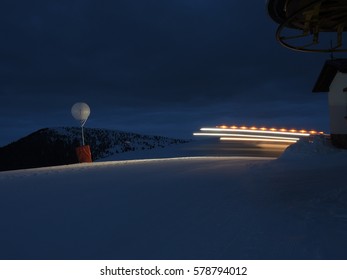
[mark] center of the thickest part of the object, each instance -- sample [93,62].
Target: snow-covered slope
[308,148]
[204,147]
[180,208]
[105,142]
[56,146]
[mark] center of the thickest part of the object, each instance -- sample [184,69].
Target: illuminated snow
[294,207]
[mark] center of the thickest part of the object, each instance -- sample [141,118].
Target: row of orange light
[244,133]
[270,129]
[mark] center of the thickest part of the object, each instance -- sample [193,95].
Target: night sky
[159,67]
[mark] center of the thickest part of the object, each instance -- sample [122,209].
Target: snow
[192,207]
[319,146]
[107,143]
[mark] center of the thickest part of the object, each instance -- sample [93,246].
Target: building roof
[328,73]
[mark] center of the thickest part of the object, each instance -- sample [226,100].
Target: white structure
[333,79]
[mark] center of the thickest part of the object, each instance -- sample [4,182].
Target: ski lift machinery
[318,26]
[309,19]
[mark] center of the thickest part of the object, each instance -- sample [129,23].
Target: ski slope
[293,207]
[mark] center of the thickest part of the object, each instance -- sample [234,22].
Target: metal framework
[310,18]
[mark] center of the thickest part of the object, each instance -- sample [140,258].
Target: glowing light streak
[211,134]
[255,139]
[246,136]
[262,130]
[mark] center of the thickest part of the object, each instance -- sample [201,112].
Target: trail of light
[272,129]
[255,139]
[261,130]
[246,135]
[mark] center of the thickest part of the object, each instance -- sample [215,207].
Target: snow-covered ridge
[56,146]
[105,142]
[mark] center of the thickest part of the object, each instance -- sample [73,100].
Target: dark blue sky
[158,67]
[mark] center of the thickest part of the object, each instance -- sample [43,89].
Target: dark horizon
[154,67]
